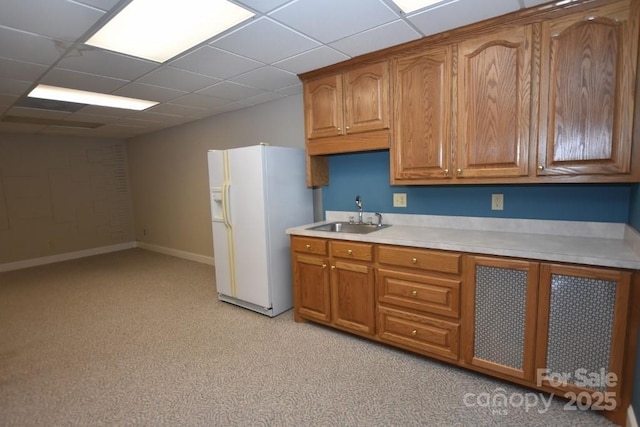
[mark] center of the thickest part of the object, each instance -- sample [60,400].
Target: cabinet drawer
[419,292]
[351,250]
[309,245]
[425,259]
[421,333]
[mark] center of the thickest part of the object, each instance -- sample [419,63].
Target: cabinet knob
[540,167]
[446,172]
[349,252]
[324,265]
[339,129]
[414,260]
[308,246]
[333,267]
[414,293]
[414,333]
[347,128]
[459,171]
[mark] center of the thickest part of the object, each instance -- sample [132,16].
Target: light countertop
[598,244]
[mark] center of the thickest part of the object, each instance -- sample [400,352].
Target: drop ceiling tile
[268,78]
[20,128]
[106,111]
[291,90]
[20,70]
[155,116]
[199,101]
[331,20]
[262,98]
[214,62]
[387,35]
[175,78]
[265,40]
[263,5]
[458,13]
[311,60]
[149,93]
[104,63]
[231,91]
[100,4]
[13,87]
[7,100]
[82,81]
[23,46]
[35,112]
[93,118]
[58,19]
[177,110]
[234,106]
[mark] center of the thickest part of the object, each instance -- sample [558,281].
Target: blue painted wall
[367,175]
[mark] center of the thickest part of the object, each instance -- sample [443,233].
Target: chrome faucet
[379,216]
[359,205]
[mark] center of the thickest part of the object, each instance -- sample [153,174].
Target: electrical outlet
[399,200]
[497,202]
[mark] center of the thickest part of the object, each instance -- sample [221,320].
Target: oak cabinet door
[366,98]
[311,288]
[499,315]
[421,147]
[494,105]
[323,107]
[582,320]
[588,62]
[352,292]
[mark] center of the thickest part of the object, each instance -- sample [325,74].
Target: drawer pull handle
[350,252]
[308,246]
[414,333]
[414,293]
[414,260]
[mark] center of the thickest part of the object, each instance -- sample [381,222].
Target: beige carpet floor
[139,338]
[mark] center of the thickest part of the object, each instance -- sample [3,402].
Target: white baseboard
[631,417]
[33,262]
[177,253]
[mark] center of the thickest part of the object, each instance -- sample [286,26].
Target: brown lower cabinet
[564,329]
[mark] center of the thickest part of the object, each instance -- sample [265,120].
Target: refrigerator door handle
[226,208]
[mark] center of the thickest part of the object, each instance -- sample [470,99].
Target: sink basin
[347,227]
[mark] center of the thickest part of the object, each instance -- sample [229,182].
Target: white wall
[169,177]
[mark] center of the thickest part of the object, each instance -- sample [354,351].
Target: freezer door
[216,184]
[247,212]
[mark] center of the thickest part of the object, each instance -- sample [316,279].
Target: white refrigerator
[257,192]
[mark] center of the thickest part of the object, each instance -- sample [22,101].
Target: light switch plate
[399,200]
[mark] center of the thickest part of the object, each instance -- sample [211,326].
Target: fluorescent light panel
[159,30]
[409,6]
[92,98]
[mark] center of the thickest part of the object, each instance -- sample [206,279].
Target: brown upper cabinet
[345,104]
[492,123]
[494,105]
[588,71]
[422,85]
[541,95]
[345,112]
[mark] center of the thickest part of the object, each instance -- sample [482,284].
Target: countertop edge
[626,248]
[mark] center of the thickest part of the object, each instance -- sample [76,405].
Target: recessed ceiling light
[159,30]
[409,6]
[91,98]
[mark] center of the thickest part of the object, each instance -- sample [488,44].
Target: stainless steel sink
[347,227]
